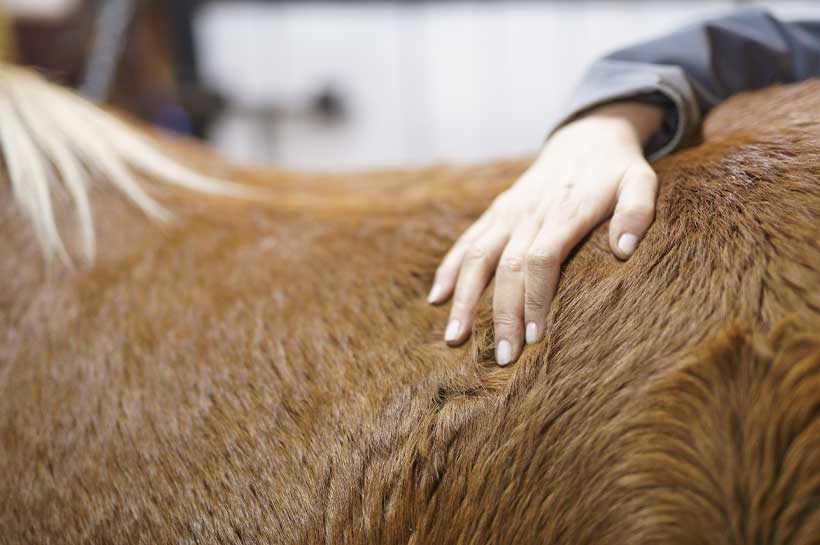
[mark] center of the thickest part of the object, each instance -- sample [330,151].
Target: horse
[197,352]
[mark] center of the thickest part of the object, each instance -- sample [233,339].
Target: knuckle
[505,210]
[505,318]
[477,253]
[535,302]
[541,260]
[511,265]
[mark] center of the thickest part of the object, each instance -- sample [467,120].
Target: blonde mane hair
[52,137]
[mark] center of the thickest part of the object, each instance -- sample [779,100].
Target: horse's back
[266,372]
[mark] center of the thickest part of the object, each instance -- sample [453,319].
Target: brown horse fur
[269,372]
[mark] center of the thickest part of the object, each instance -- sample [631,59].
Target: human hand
[590,169]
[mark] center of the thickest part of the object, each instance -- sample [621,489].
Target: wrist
[626,126]
[638,118]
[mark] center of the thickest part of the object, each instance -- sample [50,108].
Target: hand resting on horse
[589,170]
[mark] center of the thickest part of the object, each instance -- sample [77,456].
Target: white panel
[45,9]
[274,55]
[459,81]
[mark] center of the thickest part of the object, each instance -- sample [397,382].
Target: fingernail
[627,243]
[531,333]
[504,353]
[453,328]
[435,294]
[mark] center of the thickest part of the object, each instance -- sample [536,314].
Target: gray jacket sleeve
[697,67]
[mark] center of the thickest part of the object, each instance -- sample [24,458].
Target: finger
[447,272]
[476,269]
[556,238]
[634,210]
[508,295]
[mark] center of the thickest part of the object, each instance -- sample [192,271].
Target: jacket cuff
[612,80]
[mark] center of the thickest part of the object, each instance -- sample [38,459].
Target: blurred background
[339,85]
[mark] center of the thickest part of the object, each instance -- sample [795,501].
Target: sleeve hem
[608,83]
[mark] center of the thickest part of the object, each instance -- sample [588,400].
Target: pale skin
[589,170]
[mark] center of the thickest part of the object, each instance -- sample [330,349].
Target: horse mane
[52,137]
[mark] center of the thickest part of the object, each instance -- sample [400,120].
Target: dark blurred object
[111,31]
[330,104]
[56,46]
[140,56]
[202,104]
[136,55]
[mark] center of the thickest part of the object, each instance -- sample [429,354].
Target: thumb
[634,210]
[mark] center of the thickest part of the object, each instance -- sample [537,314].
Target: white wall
[40,9]
[461,81]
